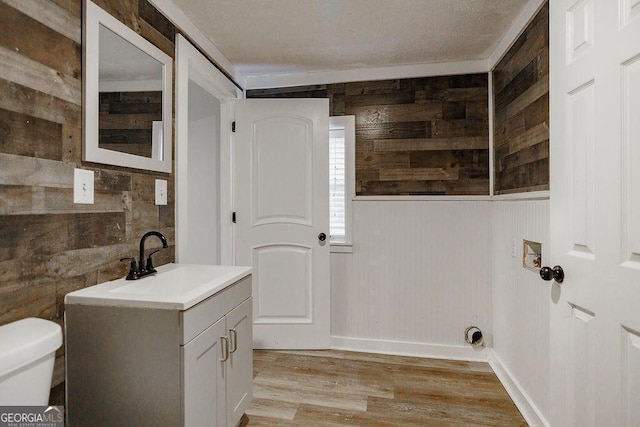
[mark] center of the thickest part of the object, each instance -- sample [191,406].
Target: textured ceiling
[271,37]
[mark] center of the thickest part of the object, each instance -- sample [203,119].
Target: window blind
[337,185]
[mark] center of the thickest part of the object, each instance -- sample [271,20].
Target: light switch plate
[161,192]
[83,186]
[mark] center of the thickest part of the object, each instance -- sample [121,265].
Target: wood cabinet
[161,367]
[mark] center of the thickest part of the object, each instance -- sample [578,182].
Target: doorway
[204,98]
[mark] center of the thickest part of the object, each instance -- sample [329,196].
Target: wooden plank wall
[126,121]
[48,245]
[521,127]
[420,136]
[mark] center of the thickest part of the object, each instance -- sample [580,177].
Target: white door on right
[282,203]
[595,212]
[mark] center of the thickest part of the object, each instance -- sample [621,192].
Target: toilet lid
[26,341]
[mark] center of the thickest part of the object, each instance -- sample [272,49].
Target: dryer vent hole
[473,336]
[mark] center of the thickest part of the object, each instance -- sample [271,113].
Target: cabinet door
[240,365]
[204,401]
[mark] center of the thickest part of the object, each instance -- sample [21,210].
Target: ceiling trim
[515,30]
[177,16]
[180,20]
[404,71]
[366,74]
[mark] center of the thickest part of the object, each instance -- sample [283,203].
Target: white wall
[418,276]
[202,241]
[422,271]
[521,305]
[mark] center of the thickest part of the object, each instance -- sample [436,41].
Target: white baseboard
[403,348]
[525,405]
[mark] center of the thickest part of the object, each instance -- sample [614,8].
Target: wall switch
[83,186]
[161,192]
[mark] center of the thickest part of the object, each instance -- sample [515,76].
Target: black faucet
[148,268]
[142,269]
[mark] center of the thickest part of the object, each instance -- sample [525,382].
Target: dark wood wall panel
[521,128]
[50,246]
[29,136]
[39,42]
[422,136]
[126,121]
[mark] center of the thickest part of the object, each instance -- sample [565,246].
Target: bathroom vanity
[173,349]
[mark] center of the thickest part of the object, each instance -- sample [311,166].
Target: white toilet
[27,354]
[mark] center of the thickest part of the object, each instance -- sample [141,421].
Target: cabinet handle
[225,349]
[234,340]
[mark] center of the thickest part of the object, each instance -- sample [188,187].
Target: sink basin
[176,281]
[175,286]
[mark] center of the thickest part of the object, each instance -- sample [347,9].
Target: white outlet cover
[161,192]
[83,186]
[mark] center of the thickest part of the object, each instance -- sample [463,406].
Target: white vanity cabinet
[218,370]
[156,364]
[204,396]
[239,379]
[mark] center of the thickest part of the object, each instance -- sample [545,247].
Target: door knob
[556,273]
[322,237]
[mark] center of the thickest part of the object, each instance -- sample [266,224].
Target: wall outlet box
[531,255]
[161,192]
[83,186]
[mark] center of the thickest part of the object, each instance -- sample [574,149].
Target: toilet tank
[27,355]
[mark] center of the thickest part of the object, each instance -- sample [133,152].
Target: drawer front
[206,313]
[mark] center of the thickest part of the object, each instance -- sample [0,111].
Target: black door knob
[556,273]
[322,237]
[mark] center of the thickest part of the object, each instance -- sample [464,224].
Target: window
[337,185]
[341,177]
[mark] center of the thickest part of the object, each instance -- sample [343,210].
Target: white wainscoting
[419,275]
[521,306]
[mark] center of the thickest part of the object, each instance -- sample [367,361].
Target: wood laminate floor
[339,388]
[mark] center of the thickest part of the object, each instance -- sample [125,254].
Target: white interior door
[282,205]
[595,212]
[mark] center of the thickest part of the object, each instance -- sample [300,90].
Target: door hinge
[233,126]
[233,217]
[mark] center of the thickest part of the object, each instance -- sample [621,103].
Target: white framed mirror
[127,96]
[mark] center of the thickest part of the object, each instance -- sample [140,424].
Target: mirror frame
[94,16]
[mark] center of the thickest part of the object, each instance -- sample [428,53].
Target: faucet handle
[133,268]
[149,265]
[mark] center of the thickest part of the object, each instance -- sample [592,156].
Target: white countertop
[174,286]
